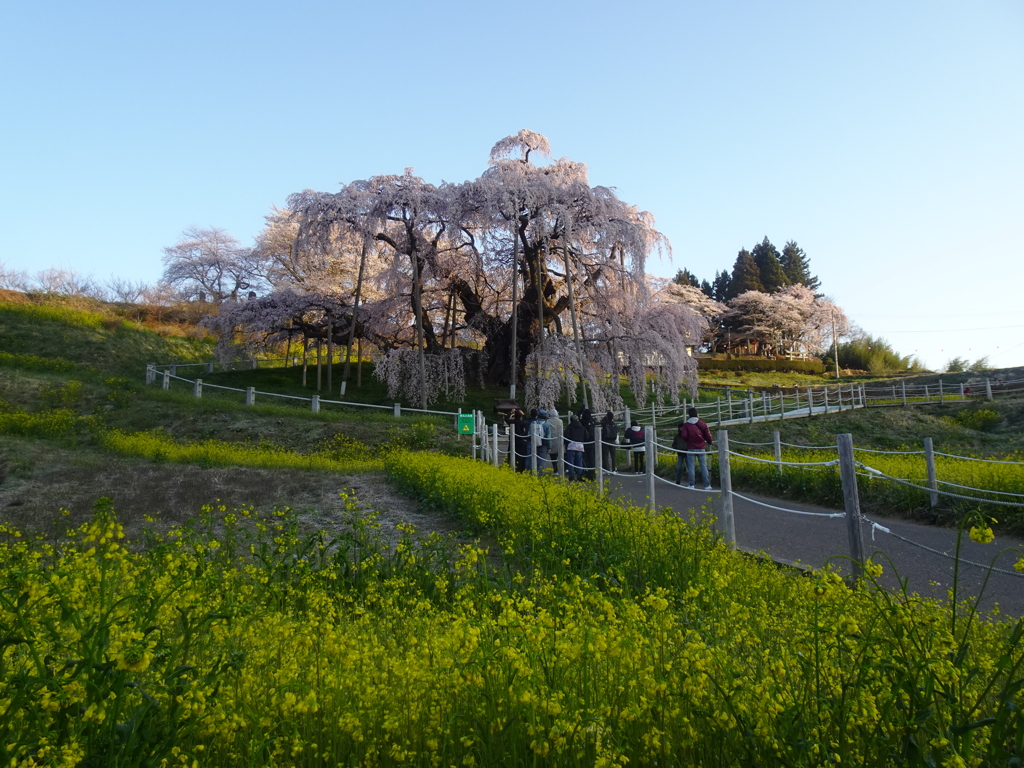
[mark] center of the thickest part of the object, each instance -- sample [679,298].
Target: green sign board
[466,424]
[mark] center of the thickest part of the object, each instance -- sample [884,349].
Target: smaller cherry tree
[400,370]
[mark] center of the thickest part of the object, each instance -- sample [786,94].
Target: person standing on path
[609,436]
[692,441]
[557,428]
[539,427]
[520,439]
[589,462]
[575,437]
[636,441]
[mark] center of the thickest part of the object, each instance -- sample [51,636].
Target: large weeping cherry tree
[527,274]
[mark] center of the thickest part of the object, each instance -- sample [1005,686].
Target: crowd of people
[582,436]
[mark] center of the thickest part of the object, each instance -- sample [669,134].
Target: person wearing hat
[637,443]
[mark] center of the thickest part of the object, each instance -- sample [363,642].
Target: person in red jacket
[691,441]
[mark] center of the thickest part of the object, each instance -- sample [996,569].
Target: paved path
[814,541]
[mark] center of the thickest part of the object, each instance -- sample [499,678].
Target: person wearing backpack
[691,441]
[539,426]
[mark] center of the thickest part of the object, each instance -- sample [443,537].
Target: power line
[954,330]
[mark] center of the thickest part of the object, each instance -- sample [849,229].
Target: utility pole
[835,343]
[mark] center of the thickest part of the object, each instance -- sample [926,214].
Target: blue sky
[885,138]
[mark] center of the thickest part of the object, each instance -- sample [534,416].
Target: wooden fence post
[933,481]
[250,395]
[167,380]
[651,455]
[851,501]
[777,448]
[197,388]
[725,479]
[532,458]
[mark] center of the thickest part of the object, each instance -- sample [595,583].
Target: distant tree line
[761,269]
[768,305]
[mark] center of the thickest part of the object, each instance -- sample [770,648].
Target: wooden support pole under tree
[305,358]
[851,501]
[330,353]
[725,479]
[515,311]
[355,309]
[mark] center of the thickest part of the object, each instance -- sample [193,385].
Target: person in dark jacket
[575,439]
[521,439]
[609,435]
[637,442]
[691,441]
[587,420]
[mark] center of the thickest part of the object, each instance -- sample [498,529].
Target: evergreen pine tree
[705,286]
[767,259]
[745,275]
[685,277]
[720,288]
[797,266]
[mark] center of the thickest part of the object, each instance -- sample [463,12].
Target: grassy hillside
[71,377]
[98,343]
[992,428]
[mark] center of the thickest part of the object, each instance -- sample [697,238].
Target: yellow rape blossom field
[589,634]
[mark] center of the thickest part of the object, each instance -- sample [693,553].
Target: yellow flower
[982,535]
[873,569]
[1019,566]
[135,657]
